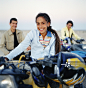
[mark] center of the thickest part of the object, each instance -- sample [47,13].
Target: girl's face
[42,25]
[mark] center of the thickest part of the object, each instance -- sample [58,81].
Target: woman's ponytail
[57,40]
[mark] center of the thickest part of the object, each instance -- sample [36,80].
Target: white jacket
[37,49]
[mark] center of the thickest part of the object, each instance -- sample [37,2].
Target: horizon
[33,29]
[60,11]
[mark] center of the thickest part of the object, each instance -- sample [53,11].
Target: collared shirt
[37,49]
[46,41]
[7,40]
[65,33]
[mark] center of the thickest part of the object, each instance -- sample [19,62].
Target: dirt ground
[81,33]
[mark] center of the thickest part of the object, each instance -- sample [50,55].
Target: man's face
[69,25]
[13,25]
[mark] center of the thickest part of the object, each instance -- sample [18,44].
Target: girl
[44,40]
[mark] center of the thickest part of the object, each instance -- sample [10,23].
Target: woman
[44,40]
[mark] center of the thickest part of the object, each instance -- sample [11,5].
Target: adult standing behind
[11,38]
[68,31]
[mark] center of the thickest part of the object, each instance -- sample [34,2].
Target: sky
[60,11]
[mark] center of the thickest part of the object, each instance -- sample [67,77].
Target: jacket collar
[10,32]
[51,40]
[48,34]
[67,28]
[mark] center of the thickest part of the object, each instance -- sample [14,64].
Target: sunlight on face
[42,25]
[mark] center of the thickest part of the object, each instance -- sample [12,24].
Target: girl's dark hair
[57,40]
[70,22]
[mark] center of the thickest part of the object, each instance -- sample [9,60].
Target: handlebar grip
[2,60]
[82,39]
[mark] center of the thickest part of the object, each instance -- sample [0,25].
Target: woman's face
[42,25]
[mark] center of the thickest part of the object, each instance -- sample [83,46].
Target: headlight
[84,46]
[67,45]
[1,67]
[7,81]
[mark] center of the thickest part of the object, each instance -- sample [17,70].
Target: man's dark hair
[14,19]
[70,22]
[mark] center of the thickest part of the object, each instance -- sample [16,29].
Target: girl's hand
[28,48]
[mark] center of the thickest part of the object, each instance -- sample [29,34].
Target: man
[11,38]
[68,31]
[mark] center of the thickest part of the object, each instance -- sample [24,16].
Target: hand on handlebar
[40,59]
[78,41]
[82,39]
[3,59]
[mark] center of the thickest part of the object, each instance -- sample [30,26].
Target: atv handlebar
[77,41]
[46,61]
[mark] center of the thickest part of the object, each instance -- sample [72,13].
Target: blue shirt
[37,49]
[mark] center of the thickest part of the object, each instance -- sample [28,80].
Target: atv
[77,48]
[64,68]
